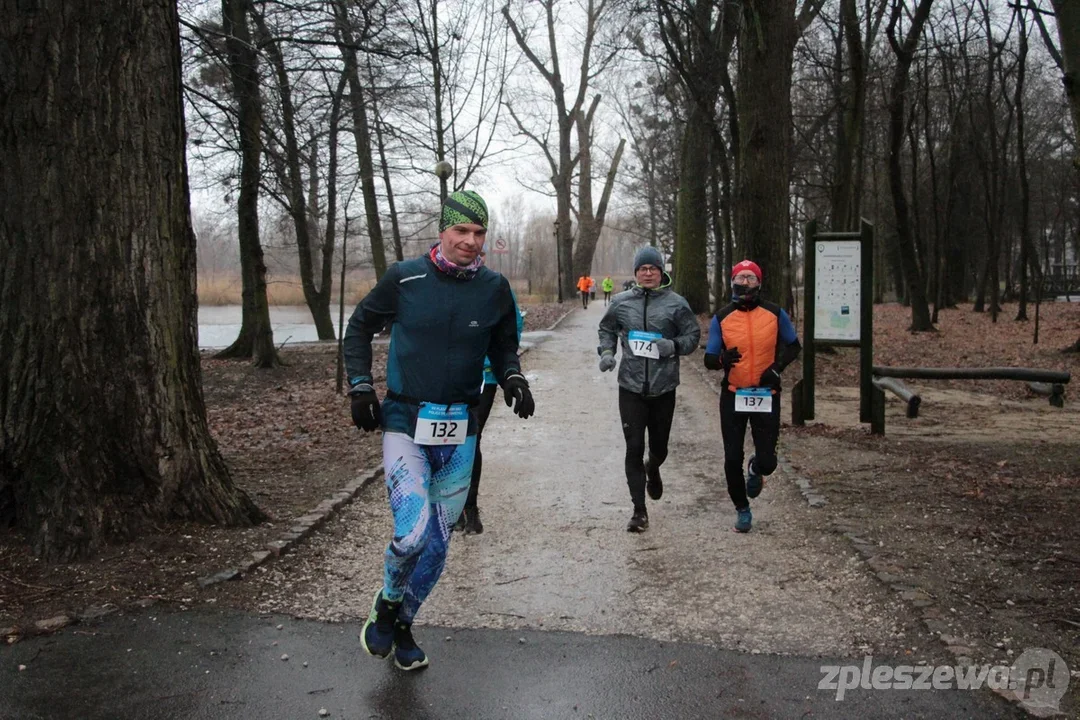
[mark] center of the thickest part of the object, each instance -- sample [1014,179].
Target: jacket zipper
[750,335]
[645,320]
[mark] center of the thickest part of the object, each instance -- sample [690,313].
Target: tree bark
[847,190]
[692,224]
[767,40]
[256,338]
[1067,13]
[1021,155]
[102,423]
[905,53]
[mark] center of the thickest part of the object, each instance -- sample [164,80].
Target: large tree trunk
[317,299]
[847,188]
[103,422]
[1021,156]
[1067,14]
[256,338]
[1068,24]
[916,289]
[692,225]
[767,40]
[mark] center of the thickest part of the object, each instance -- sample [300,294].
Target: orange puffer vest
[754,333]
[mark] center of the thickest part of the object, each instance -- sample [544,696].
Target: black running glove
[770,378]
[366,413]
[516,387]
[730,357]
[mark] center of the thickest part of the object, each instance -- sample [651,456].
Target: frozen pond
[219,325]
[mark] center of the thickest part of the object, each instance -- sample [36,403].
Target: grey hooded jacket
[660,310]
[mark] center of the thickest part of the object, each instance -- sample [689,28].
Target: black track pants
[765,427]
[638,414]
[483,410]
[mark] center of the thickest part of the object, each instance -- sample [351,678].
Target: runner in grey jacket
[654,325]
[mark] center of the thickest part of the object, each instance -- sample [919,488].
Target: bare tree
[102,424]
[905,53]
[348,36]
[256,338]
[559,152]
[294,200]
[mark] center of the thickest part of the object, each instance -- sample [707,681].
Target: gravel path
[555,554]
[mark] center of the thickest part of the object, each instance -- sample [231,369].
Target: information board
[837,278]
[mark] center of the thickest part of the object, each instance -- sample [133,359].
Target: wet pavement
[554,611]
[212,665]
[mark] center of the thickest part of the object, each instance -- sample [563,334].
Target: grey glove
[607,362]
[665,347]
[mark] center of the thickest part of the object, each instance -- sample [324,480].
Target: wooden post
[877,415]
[797,418]
[809,308]
[866,320]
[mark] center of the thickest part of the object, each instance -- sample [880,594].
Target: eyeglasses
[648,269]
[745,279]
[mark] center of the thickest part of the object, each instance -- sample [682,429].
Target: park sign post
[838,309]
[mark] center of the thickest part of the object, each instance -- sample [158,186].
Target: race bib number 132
[441,424]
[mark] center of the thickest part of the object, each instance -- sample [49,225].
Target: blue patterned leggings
[427,485]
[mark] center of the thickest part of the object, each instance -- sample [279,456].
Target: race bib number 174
[643,344]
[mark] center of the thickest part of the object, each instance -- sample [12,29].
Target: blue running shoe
[743,522]
[754,481]
[377,635]
[407,654]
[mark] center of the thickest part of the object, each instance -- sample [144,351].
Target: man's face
[746,279]
[462,243]
[648,276]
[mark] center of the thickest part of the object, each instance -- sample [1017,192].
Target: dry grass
[280,290]
[287,290]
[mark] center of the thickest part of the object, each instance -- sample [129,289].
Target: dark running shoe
[639,521]
[754,481]
[377,635]
[407,654]
[472,521]
[744,520]
[653,484]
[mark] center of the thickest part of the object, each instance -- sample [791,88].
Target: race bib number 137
[755,399]
[441,424]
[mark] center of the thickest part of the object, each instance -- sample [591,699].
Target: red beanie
[746,265]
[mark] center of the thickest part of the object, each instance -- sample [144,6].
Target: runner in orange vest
[752,341]
[583,288]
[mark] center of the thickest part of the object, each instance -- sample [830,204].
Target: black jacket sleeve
[373,314]
[788,354]
[503,346]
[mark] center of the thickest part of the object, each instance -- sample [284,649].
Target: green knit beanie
[463,207]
